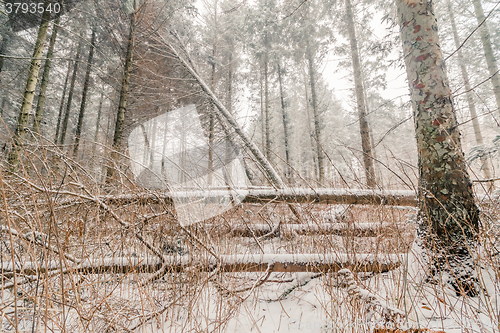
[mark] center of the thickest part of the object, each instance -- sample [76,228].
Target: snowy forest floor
[54,224]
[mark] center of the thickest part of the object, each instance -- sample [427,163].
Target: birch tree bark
[360,98]
[488,51]
[448,214]
[29,90]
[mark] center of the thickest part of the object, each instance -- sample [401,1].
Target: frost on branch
[374,310]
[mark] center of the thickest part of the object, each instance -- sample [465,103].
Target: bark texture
[448,212]
[360,98]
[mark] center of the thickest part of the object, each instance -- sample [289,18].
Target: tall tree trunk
[262,115]
[29,91]
[449,216]
[86,83]
[98,121]
[61,106]
[360,98]
[153,142]
[45,76]
[64,125]
[317,124]
[266,108]
[122,104]
[211,133]
[314,156]
[470,98]
[285,124]
[488,51]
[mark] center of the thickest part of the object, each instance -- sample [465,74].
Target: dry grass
[59,212]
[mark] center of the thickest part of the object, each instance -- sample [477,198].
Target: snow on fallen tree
[340,229]
[292,195]
[225,263]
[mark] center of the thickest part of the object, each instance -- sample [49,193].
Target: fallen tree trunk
[291,195]
[338,229]
[227,263]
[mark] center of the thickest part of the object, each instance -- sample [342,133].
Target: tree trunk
[285,125]
[45,76]
[360,98]
[98,121]
[262,115]
[311,138]
[448,213]
[122,104]
[86,83]
[488,51]
[470,98]
[317,125]
[64,125]
[266,108]
[29,91]
[61,106]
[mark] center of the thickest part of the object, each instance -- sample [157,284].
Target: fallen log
[226,263]
[338,229]
[262,195]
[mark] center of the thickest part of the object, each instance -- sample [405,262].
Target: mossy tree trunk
[29,91]
[449,215]
[122,104]
[360,99]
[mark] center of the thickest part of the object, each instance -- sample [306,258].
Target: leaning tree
[448,214]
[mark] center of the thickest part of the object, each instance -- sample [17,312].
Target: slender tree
[84,93]
[285,124]
[317,121]
[29,91]
[61,106]
[122,104]
[448,213]
[360,98]
[64,124]
[45,75]
[488,51]
[470,98]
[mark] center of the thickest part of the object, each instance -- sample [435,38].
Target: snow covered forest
[249,166]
